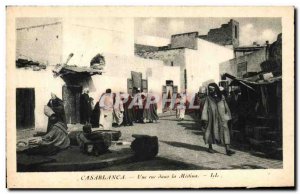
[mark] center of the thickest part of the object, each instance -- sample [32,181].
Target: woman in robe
[55,140]
[57,106]
[128,110]
[118,110]
[215,117]
[150,110]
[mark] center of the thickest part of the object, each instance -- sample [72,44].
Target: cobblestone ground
[182,141]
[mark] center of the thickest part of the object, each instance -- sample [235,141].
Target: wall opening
[137,81]
[169,89]
[25,105]
[71,97]
[235,32]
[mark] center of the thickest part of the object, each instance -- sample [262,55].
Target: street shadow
[190,126]
[246,166]
[164,119]
[198,133]
[174,119]
[166,115]
[185,145]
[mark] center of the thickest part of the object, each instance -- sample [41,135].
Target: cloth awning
[259,82]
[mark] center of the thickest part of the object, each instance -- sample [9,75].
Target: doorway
[25,105]
[71,97]
[169,89]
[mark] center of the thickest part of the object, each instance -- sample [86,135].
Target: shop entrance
[71,97]
[25,105]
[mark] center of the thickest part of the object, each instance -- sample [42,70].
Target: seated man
[52,142]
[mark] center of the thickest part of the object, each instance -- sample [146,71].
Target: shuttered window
[129,86]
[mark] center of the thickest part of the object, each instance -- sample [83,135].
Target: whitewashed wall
[43,44]
[44,83]
[203,64]
[87,37]
[113,38]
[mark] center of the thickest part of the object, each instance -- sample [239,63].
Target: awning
[247,83]
[74,70]
[259,82]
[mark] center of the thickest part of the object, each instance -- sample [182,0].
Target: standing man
[140,105]
[202,98]
[182,106]
[118,109]
[85,107]
[128,110]
[215,117]
[106,110]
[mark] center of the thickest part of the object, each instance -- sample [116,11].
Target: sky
[251,29]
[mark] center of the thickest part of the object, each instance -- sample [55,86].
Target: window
[129,86]
[169,82]
[145,85]
[241,69]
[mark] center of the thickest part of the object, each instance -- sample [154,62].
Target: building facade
[50,43]
[184,64]
[197,59]
[254,59]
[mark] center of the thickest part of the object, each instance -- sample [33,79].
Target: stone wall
[275,52]
[186,40]
[227,34]
[142,48]
[253,61]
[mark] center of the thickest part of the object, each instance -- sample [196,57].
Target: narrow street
[181,147]
[182,142]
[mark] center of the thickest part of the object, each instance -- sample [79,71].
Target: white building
[197,59]
[51,41]
[186,63]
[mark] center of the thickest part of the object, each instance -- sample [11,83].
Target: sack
[94,146]
[48,111]
[145,147]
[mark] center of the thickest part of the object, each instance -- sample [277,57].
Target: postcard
[150,97]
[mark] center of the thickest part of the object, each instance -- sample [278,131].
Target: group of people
[126,109]
[117,109]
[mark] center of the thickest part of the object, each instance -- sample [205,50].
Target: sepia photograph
[149,97]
